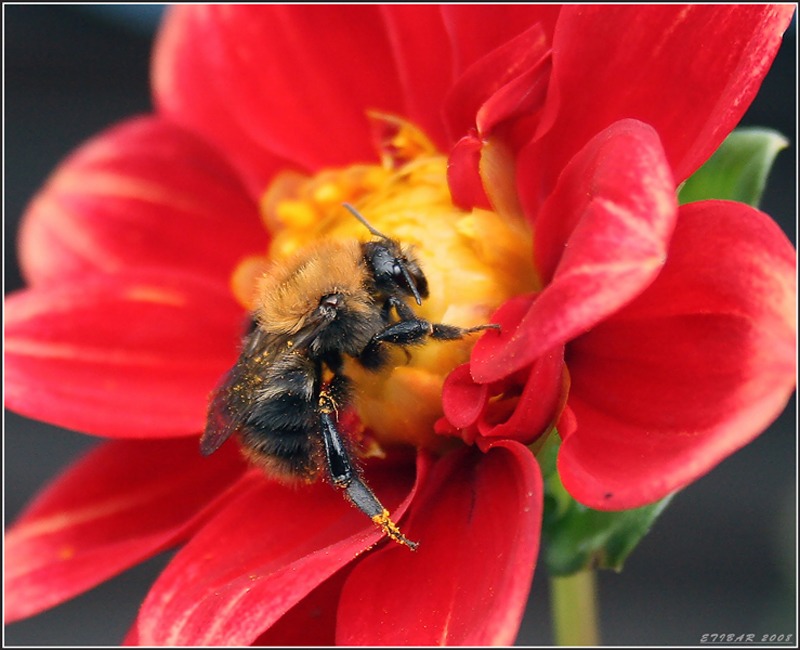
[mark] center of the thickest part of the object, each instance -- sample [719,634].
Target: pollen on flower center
[474,261]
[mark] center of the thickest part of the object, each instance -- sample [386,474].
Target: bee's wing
[221,421]
[231,400]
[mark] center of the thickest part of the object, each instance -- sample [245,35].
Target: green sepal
[575,537]
[738,170]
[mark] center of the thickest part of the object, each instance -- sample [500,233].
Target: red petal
[265,552]
[689,71]
[312,621]
[478,520]
[509,315]
[526,55]
[521,97]
[122,503]
[475,30]
[566,423]
[509,82]
[290,80]
[535,410]
[462,398]
[443,427]
[463,174]
[144,193]
[128,355]
[520,407]
[424,64]
[131,638]
[602,238]
[692,370]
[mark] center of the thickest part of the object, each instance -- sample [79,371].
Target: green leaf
[738,170]
[587,538]
[576,537]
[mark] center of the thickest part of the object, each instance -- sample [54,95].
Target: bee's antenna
[361,218]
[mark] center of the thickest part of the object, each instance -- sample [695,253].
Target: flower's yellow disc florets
[474,261]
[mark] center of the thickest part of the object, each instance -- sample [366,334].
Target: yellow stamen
[296,214]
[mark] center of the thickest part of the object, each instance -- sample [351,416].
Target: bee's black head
[394,270]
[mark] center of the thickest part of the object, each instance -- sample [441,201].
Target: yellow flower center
[473,261]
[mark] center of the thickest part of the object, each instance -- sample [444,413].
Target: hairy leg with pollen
[342,471]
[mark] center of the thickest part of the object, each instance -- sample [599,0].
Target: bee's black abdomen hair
[283,413]
[292,451]
[279,429]
[282,416]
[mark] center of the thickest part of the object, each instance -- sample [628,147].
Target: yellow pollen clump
[474,261]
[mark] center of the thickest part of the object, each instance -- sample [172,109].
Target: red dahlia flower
[533,158]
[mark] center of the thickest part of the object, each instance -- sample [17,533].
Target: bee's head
[395,270]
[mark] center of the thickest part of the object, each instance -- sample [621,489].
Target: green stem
[573,603]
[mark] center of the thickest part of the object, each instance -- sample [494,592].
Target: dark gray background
[720,560]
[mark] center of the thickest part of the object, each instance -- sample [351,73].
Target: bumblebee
[332,299]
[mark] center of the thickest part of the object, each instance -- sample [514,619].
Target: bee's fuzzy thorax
[293,287]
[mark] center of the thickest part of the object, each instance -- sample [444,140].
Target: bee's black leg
[402,308]
[342,472]
[409,332]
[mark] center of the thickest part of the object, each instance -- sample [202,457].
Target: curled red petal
[463,174]
[521,97]
[477,519]
[462,398]
[525,57]
[443,427]
[566,423]
[130,355]
[509,315]
[293,81]
[144,193]
[475,30]
[520,407]
[525,413]
[699,365]
[122,503]
[600,239]
[262,554]
[689,71]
